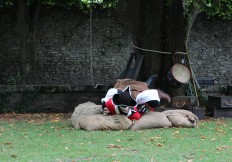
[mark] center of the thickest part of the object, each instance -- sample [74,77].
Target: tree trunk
[146,19]
[27,23]
[160,27]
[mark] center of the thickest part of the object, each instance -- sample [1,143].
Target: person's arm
[135,116]
[131,112]
[110,108]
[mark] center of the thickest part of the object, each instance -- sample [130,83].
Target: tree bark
[27,25]
[160,27]
[146,28]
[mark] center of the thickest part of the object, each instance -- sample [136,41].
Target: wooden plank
[133,67]
[184,102]
[220,101]
[124,74]
[226,113]
[138,64]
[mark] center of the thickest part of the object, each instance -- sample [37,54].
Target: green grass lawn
[58,141]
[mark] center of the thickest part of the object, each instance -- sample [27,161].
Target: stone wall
[63,48]
[211,52]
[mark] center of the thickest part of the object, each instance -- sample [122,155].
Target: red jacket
[133,114]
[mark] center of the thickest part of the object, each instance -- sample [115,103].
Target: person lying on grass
[121,102]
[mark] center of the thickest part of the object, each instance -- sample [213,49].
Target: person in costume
[121,102]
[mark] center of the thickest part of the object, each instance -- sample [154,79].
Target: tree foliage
[218,8]
[212,8]
[68,3]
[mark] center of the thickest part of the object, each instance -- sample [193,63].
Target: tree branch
[194,10]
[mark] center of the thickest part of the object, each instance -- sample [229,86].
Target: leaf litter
[34,117]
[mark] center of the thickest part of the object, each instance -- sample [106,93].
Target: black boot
[151,81]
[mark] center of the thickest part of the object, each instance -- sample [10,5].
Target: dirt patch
[54,117]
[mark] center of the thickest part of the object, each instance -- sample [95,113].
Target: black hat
[124,98]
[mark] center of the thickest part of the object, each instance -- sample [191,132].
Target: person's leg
[164,96]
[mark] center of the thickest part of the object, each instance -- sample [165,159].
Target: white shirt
[147,95]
